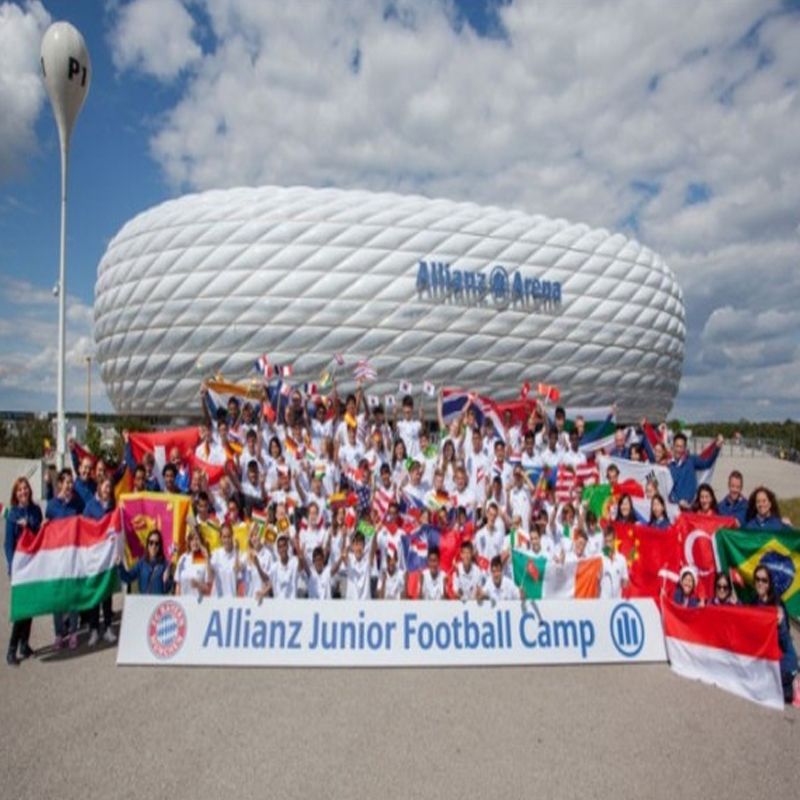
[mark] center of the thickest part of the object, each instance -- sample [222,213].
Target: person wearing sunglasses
[767,596]
[723,591]
[153,571]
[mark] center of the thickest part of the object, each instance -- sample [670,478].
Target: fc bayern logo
[166,630]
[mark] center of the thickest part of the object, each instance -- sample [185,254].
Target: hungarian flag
[541,579]
[740,552]
[733,647]
[652,558]
[694,540]
[70,565]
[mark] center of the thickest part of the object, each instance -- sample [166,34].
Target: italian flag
[733,647]
[70,565]
[543,579]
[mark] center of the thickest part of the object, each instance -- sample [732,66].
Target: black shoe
[11,659]
[26,651]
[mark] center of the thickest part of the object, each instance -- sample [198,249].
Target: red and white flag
[364,371]
[733,647]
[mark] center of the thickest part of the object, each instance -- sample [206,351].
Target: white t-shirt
[319,584]
[432,588]
[358,575]
[393,585]
[466,584]
[283,578]
[615,570]
[310,539]
[187,570]
[250,575]
[223,564]
[489,542]
[519,501]
[506,591]
[408,430]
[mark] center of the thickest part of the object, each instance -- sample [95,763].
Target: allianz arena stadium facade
[453,293]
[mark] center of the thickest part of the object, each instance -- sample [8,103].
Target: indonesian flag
[526,390]
[549,392]
[733,647]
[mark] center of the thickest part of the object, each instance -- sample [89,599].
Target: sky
[673,123]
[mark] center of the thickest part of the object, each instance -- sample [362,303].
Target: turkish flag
[694,540]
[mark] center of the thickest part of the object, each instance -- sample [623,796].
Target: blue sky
[674,123]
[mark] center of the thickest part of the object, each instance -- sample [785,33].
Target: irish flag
[733,647]
[70,565]
[543,579]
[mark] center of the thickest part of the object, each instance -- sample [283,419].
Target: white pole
[67,75]
[61,420]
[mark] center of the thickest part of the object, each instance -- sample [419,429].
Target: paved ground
[79,726]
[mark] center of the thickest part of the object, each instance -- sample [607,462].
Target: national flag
[652,558]
[548,392]
[262,364]
[707,475]
[69,565]
[525,391]
[429,388]
[211,534]
[741,551]
[389,401]
[284,370]
[598,500]
[339,359]
[642,473]
[630,487]
[144,512]
[599,423]
[364,371]
[381,500]
[373,401]
[325,379]
[455,401]
[405,387]
[293,448]
[214,472]
[416,547]
[221,391]
[733,647]
[267,411]
[285,390]
[185,439]
[540,578]
[310,389]
[694,540]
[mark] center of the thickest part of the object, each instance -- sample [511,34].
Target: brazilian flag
[739,552]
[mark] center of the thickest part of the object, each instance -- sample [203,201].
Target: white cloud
[155,37]
[21,88]
[612,113]
[29,350]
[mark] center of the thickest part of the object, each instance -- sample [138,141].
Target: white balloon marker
[67,75]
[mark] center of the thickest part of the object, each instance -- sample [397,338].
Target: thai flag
[262,364]
[339,359]
[454,401]
[364,371]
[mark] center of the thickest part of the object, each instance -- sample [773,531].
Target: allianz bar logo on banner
[238,632]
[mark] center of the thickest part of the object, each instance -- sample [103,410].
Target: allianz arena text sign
[439,280]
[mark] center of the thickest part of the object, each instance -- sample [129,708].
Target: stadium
[427,290]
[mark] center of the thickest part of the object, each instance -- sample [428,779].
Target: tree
[93,439]
[28,442]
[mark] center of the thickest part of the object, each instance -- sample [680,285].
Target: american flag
[381,500]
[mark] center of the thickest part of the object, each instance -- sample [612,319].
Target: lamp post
[67,75]
[88,391]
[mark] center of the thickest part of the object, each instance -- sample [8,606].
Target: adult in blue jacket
[23,514]
[734,504]
[66,503]
[152,572]
[684,467]
[763,512]
[85,485]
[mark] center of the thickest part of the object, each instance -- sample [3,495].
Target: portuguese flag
[70,565]
[541,579]
[740,552]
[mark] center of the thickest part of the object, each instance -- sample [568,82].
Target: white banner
[183,631]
